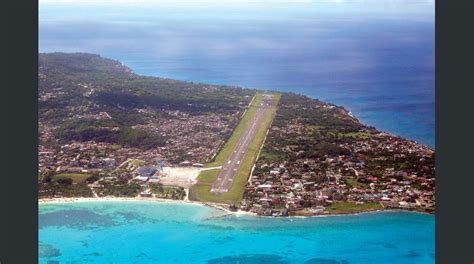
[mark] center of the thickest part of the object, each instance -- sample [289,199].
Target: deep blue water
[375,57]
[158,232]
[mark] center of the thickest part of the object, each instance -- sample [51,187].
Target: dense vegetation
[327,126]
[63,187]
[120,189]
[105,131]
[308,129]
[76,87]
[313,113]
[168,192]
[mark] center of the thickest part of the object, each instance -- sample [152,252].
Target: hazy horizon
[375,58]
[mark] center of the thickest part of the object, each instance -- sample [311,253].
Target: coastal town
[307,168]
[282,188]
[316,158]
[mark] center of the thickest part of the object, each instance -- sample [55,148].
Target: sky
[375,57]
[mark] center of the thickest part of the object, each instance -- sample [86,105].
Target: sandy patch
[181,176]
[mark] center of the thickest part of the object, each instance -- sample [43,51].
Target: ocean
[169,232]
[374,57]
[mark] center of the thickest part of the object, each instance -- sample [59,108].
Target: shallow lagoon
[166,232]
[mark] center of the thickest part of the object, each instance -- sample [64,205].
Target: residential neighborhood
[376,170]
[98,140]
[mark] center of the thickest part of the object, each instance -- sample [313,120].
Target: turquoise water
[159,232]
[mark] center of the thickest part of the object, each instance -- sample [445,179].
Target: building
[146,171]
[185,163]
[146,193]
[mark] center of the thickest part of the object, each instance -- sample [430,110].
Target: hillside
[86,97]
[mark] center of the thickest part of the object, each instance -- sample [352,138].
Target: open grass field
[137,162]
[350,208]
[201,190]
[208,176]
[75,177]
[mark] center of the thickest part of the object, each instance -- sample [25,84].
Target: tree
[47,179]
[65,181]
[92,178]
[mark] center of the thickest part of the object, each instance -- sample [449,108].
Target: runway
[229,169]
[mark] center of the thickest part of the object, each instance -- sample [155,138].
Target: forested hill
[82,66]
[82,96]
[108,82]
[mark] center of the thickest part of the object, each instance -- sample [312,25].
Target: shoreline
[65,200]
[367,124]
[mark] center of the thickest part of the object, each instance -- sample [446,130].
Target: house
[145,194]
[142,178]
[185,163]
[275,172]
[109,162]
[146,171]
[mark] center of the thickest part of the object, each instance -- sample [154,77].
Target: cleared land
[75,177]
[349,208]
[182,176]
[238,155]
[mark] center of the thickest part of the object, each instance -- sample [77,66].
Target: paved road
[229,170]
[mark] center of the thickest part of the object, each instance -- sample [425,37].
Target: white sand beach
[138,199]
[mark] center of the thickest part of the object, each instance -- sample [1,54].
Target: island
[108,133]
